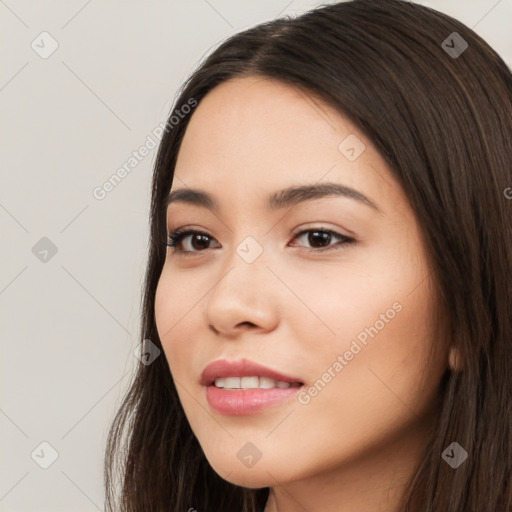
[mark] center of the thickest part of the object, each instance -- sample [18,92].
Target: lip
[241,368]
[245,401]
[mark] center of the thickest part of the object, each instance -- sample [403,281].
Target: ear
[455,360]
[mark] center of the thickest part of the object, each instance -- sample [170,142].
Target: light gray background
[70,324]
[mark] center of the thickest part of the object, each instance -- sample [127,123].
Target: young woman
[329,276]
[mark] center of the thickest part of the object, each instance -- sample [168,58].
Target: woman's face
[351,324]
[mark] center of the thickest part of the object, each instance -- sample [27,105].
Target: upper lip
[241,368]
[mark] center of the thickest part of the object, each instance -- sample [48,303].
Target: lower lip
[240,402]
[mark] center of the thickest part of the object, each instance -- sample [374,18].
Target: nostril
[250,324]
[241,324]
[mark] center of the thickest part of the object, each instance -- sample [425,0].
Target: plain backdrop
[72,264]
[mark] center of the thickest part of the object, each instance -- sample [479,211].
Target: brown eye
[319,239]
[196,243]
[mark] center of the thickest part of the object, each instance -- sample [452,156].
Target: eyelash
[176,237]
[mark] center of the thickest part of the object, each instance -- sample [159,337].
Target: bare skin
[354,443]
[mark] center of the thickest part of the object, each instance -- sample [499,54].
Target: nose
[244,298]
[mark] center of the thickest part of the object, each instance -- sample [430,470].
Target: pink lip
[241,368]
[244,401]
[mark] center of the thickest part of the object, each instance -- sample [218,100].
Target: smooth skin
[295,308]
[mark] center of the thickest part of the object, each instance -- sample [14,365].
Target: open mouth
[252,382]
[245,387]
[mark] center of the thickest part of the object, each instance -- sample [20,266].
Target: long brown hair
[440,113]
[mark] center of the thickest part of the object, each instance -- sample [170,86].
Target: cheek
[174,305]
[373,295]
[367,349]
[376,372]
[177,326]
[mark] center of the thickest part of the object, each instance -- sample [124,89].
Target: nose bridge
[243,273]
[242,293]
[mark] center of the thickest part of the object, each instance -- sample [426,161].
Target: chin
[250,481]
[261,474]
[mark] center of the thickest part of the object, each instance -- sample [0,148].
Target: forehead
[252,136]
[257,119]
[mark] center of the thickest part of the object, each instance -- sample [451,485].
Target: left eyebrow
[278,200]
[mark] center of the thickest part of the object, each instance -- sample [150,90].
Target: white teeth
[232,382]
[220,382]
[249,383]
[267,383]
